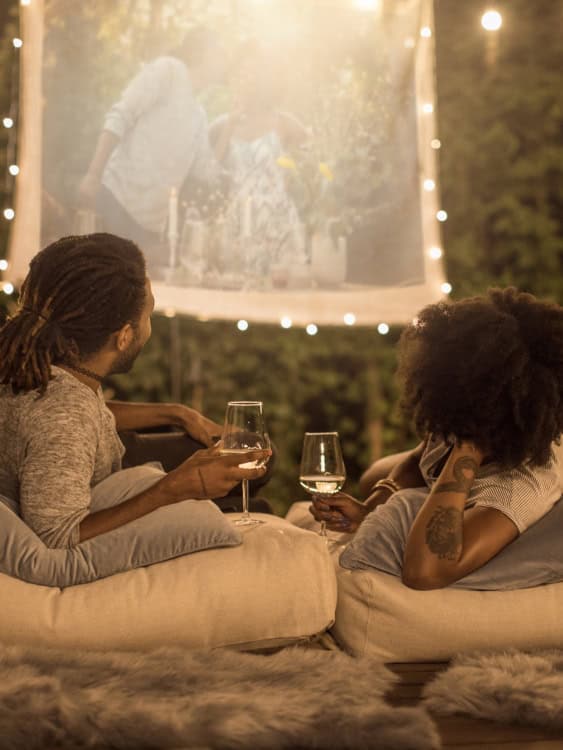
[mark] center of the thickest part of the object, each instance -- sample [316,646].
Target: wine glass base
[247,521]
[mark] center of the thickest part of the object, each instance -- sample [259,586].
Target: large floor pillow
[377,615]
[277,587]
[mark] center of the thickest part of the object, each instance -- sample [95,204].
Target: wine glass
[322,471]
[244,431]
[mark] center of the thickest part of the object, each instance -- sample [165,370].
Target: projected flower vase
[329,257]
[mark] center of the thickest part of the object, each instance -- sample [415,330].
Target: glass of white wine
[322,471]
[244,431]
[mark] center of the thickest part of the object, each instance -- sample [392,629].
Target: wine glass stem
[322,532]
[245,513]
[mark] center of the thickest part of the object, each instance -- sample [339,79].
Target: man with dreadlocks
[84,313]
[483,380]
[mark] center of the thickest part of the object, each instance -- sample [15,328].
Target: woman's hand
[200,428]
[341,512]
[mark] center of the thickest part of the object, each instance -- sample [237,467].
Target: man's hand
[209,474]
[341,512]
[201,428]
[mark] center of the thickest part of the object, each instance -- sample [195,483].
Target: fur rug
[178,699]
[512,687]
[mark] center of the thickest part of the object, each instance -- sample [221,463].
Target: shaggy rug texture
[513,687]
[170,698]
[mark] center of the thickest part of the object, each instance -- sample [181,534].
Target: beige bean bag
[277,587]
[376,615]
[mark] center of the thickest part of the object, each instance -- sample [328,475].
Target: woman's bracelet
[388,483]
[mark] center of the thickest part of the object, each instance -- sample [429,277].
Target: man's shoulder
[64,402]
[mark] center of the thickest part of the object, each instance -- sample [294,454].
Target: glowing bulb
[25,2]
[17,42]
[170,312]
[409,42]
[428,108]
[349,319]
[491,20]
[435,253]
[426,32]
[286,322]
[242,325]
[312,329]
[8,288]
[446,287]
[383,329]
[3,265]
[13,169]
[436,143]
[7,122]
[442,215]
[429,185]
[9,213]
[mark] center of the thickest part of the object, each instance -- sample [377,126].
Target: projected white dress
[261,223]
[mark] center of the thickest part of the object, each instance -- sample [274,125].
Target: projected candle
[247,217]
[173,226]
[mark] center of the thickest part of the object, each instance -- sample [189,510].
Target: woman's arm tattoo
[464,470]
[444,532]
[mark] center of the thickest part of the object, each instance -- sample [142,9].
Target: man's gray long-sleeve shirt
[53,450]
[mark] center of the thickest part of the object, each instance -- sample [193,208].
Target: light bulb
[383,329]
[426,32]
[8,288]
[442,215]
[436,143]
[446,287]
[435,253]
[13,169]
[7,122]
[491,20]
[242,325]
[312,329]
[428,108]
[286,322]
[17,42]
[349,319]
[429,185]
[3,265]
[9,213]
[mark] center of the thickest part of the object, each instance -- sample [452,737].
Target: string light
[3,265]
[14,170]
[435,253]
[25,2]
[312,329]
[349,319]
[428,108]
[442,215]
[8,288]
[491,20]
[436,143]
[17,42]
[9,213]
[7,122]
[446,287]
[426,32]
[286,322]
[242,325]
[429,185]
[383,329]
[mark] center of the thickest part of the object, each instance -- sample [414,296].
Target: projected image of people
[244,146]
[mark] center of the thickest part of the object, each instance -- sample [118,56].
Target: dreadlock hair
[79,290]
[488,369]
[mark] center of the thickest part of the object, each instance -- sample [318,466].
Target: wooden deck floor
[463,733]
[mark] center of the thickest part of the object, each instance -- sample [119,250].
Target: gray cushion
[532,559]
[171,531]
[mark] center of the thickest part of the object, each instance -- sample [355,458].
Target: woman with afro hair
[482,379]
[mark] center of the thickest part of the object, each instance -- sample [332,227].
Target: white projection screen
[272,158]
